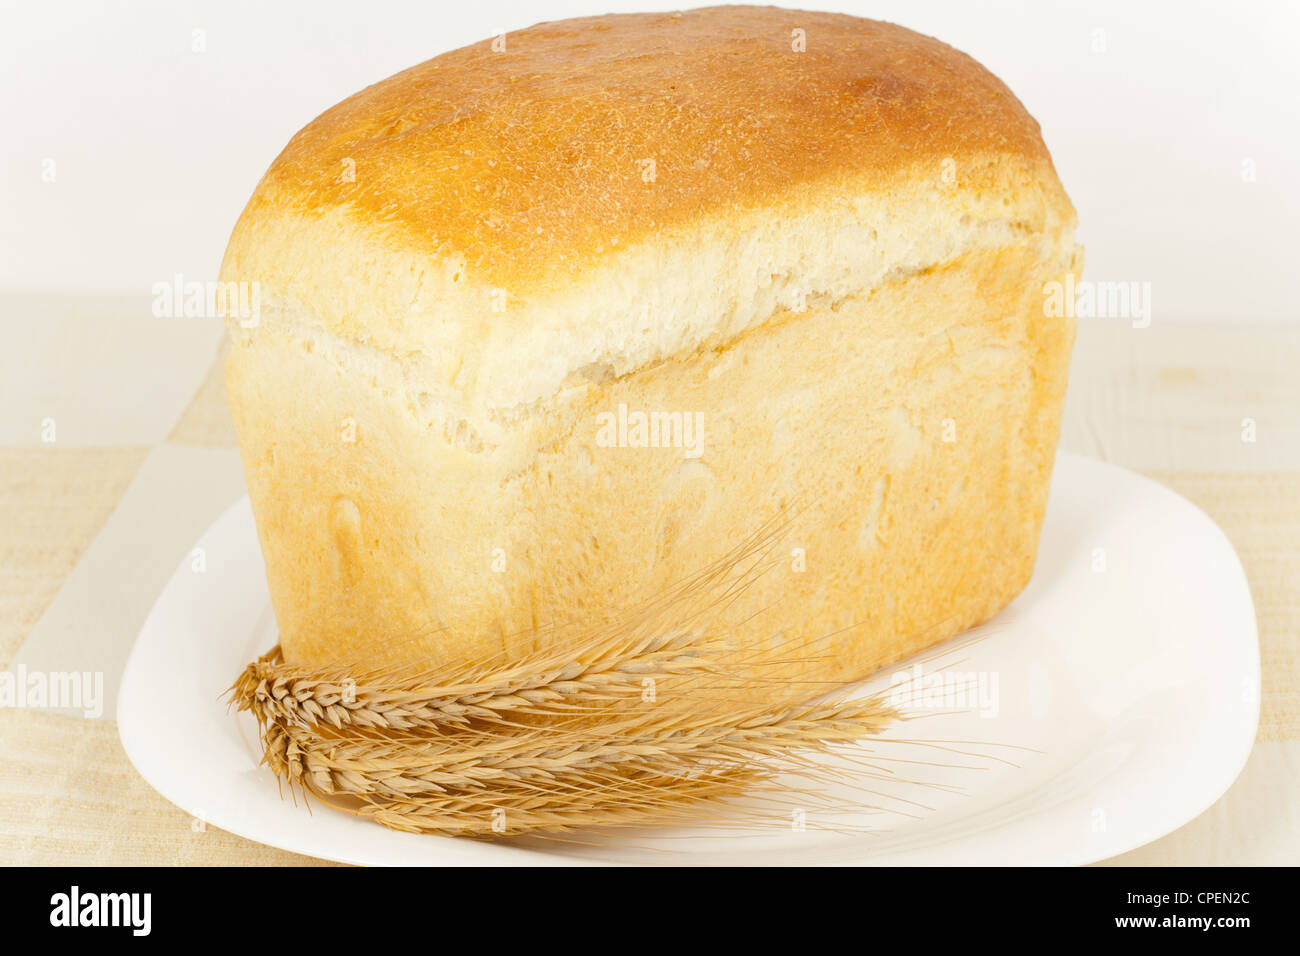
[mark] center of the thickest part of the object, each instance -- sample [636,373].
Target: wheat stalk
[413,766]
[451,778]
[276,691]
[560,738]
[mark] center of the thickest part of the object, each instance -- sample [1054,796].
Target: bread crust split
[835,259]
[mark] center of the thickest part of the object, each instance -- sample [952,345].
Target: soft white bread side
[834,262]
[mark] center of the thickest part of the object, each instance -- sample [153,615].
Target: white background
[156,146]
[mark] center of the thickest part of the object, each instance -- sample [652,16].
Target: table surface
[116,450]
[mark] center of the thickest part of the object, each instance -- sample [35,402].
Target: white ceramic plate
[1121,696]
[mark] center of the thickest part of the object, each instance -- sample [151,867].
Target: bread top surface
[491,218]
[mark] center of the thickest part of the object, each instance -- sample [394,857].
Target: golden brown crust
[529,163]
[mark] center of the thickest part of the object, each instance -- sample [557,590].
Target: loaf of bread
[549,323]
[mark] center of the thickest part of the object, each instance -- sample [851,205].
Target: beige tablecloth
[85,526]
